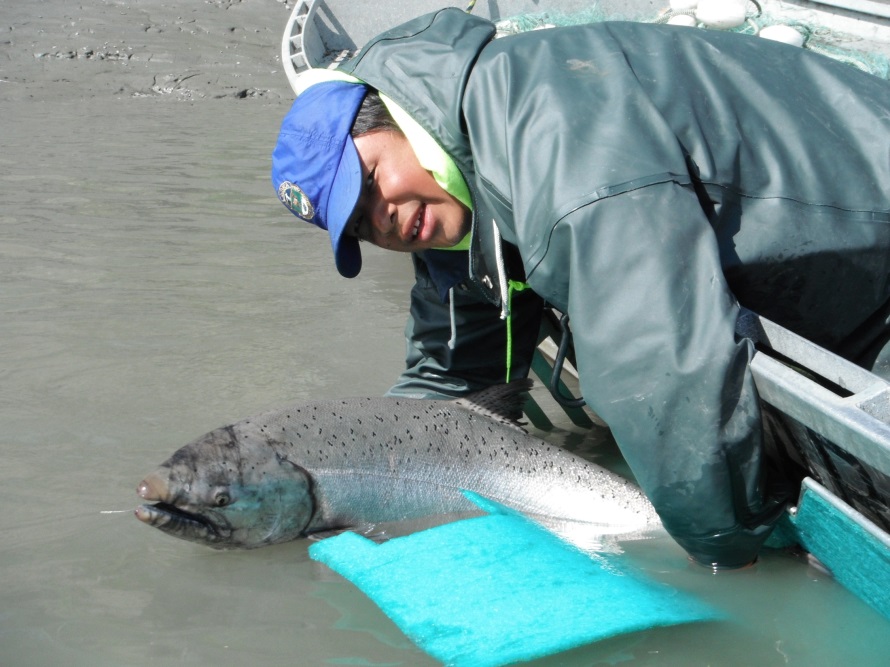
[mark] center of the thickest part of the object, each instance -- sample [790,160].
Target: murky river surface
[151,288]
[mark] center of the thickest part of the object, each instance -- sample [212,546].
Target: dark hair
[373,116]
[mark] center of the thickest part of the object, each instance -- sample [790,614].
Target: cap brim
[345,192]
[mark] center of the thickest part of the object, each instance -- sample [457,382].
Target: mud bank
[215,49]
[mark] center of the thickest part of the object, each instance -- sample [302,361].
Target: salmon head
[228,491]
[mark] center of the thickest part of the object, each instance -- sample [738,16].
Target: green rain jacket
[650,179]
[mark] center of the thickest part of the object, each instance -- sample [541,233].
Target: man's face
[401,206]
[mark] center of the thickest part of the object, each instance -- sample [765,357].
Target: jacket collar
[483,257]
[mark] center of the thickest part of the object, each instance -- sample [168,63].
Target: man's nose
[382,215]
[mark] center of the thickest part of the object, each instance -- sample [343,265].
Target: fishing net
[818,38]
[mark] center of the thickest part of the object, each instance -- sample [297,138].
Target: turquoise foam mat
[498,589]
[856,552]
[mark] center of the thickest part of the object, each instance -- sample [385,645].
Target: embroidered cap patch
[296,200]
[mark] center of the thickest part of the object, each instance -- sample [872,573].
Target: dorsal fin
[501,402]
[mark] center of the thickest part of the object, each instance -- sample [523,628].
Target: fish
[314,468]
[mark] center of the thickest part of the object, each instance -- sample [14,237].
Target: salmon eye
[222,499]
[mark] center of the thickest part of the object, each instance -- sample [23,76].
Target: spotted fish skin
[320,466]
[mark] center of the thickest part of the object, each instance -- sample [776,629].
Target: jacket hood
[397,63]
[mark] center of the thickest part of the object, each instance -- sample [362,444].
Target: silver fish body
[323,466]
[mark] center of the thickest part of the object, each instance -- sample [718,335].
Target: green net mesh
[817,38]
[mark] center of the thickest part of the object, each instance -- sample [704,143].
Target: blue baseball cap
[315,167]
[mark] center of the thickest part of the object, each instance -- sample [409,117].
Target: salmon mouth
[159,511]
[182,523]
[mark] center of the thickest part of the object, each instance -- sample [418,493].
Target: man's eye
[359,230]
[355,226]
[369,181]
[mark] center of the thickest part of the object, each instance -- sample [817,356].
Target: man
[643,179]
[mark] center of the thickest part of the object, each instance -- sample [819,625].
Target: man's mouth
[418,223]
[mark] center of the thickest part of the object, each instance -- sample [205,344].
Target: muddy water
[151,288]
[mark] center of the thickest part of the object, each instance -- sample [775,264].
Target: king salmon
[317,467]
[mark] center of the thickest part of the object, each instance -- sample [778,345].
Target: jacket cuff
[727,550]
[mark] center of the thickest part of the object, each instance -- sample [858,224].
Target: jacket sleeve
[454,351]
[654,331]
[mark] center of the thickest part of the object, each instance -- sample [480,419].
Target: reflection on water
[152,289]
